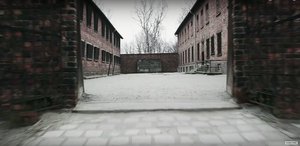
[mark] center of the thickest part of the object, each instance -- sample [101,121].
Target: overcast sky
[122,15]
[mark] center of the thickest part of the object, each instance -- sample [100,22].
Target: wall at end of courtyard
[169,61]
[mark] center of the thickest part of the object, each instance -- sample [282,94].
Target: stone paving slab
[169,128]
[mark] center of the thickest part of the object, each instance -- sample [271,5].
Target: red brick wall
[266,54]
[169,61]
[95,38]
[38,49]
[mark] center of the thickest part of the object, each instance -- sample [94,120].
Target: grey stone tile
[106,126]
[210,139]
[253,136]
[274,135]
[73,133]
[141,140]
[186,140]
[246,128]
[96,142]
[124,140]
[74,142]
[183,118]
[236,122]
[132,132]
[51,142]
[232,138]
[226,129]
[200,124]
[265,127]
[164,139]
[187,130]
[153,131]
[68,126]
[217,123]
[93,133]
[131,120]
[87,126]
[55,133]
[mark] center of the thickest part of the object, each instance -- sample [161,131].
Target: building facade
[100,41]
[202,37]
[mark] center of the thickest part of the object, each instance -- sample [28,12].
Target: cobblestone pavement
[161,128]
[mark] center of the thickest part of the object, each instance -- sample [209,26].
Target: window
[185,56]
[88,15]
[103,53]
[192,53]
[201,18]
[103,28]
[197,22]
[89,52]
[82,49]
[219,43]
[207,48]
[202,51]
[95,22]
[198,51]
[189,55]
[218,7]
[110,37]
[206,13]
[212,47]
[107,32]
[96,53]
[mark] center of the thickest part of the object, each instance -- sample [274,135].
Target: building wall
[266,55]
[93,66]
[197,29]
[169,61]
[39,52]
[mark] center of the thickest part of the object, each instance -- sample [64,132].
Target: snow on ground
[157,87]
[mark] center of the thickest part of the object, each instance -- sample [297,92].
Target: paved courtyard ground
[156,91]
[162,128]
[169,109]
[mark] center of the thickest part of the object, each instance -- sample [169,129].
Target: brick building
[202,37]
[100,41]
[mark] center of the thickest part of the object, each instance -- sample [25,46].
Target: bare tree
[150,14]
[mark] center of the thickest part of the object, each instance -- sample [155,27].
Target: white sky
[121,13]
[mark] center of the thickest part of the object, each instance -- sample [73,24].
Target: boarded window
[88,15]
[82,49]
[219,43]
[96,53]
[89,52]
[212,47]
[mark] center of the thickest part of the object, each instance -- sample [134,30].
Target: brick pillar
[70,49]
[239,51]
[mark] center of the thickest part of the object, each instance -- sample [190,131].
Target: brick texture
[266,54]
[169,61]
[38,49]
